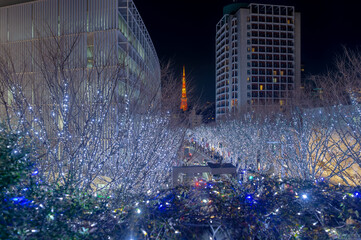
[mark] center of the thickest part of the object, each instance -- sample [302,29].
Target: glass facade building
[107,33]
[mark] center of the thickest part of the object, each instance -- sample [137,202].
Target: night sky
[183,31]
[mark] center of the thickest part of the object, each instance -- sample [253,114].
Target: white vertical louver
[105,48]
[72,16]
[3,25]
[19,22]
[45,18]
[102,15]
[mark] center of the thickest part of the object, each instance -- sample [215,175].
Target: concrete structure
[195,119]
[108,33]
[189,173]
[258,56]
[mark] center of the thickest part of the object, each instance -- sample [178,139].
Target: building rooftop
[234,7]
[218,165]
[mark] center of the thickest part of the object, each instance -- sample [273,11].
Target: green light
[250,177]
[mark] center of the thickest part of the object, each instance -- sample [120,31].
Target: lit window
[281,73]
[274,72]
[253,49]
[274,80]
[261,87]
[248,79]
[282,102]
[234,103]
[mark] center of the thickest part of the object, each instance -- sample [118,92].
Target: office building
[99,34]
[258,57]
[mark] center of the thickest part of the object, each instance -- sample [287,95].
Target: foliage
[13,160]
[31,209]
[261,208]
[264,208]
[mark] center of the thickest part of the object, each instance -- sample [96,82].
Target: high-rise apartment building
[258,57]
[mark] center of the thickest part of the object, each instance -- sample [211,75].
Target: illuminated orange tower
[184,105]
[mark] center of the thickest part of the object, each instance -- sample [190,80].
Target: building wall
[107,32]
[258,57]
[243,13]
[222,65]
[298,50]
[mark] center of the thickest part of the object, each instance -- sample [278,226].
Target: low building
[189,174]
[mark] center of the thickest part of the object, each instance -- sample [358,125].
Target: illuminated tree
[300,144]
[244,141]
[96,128]
[341,98]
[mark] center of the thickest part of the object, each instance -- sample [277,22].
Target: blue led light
[17,199]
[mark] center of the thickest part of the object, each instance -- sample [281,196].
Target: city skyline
[184,32]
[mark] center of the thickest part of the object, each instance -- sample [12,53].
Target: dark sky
[184,31]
